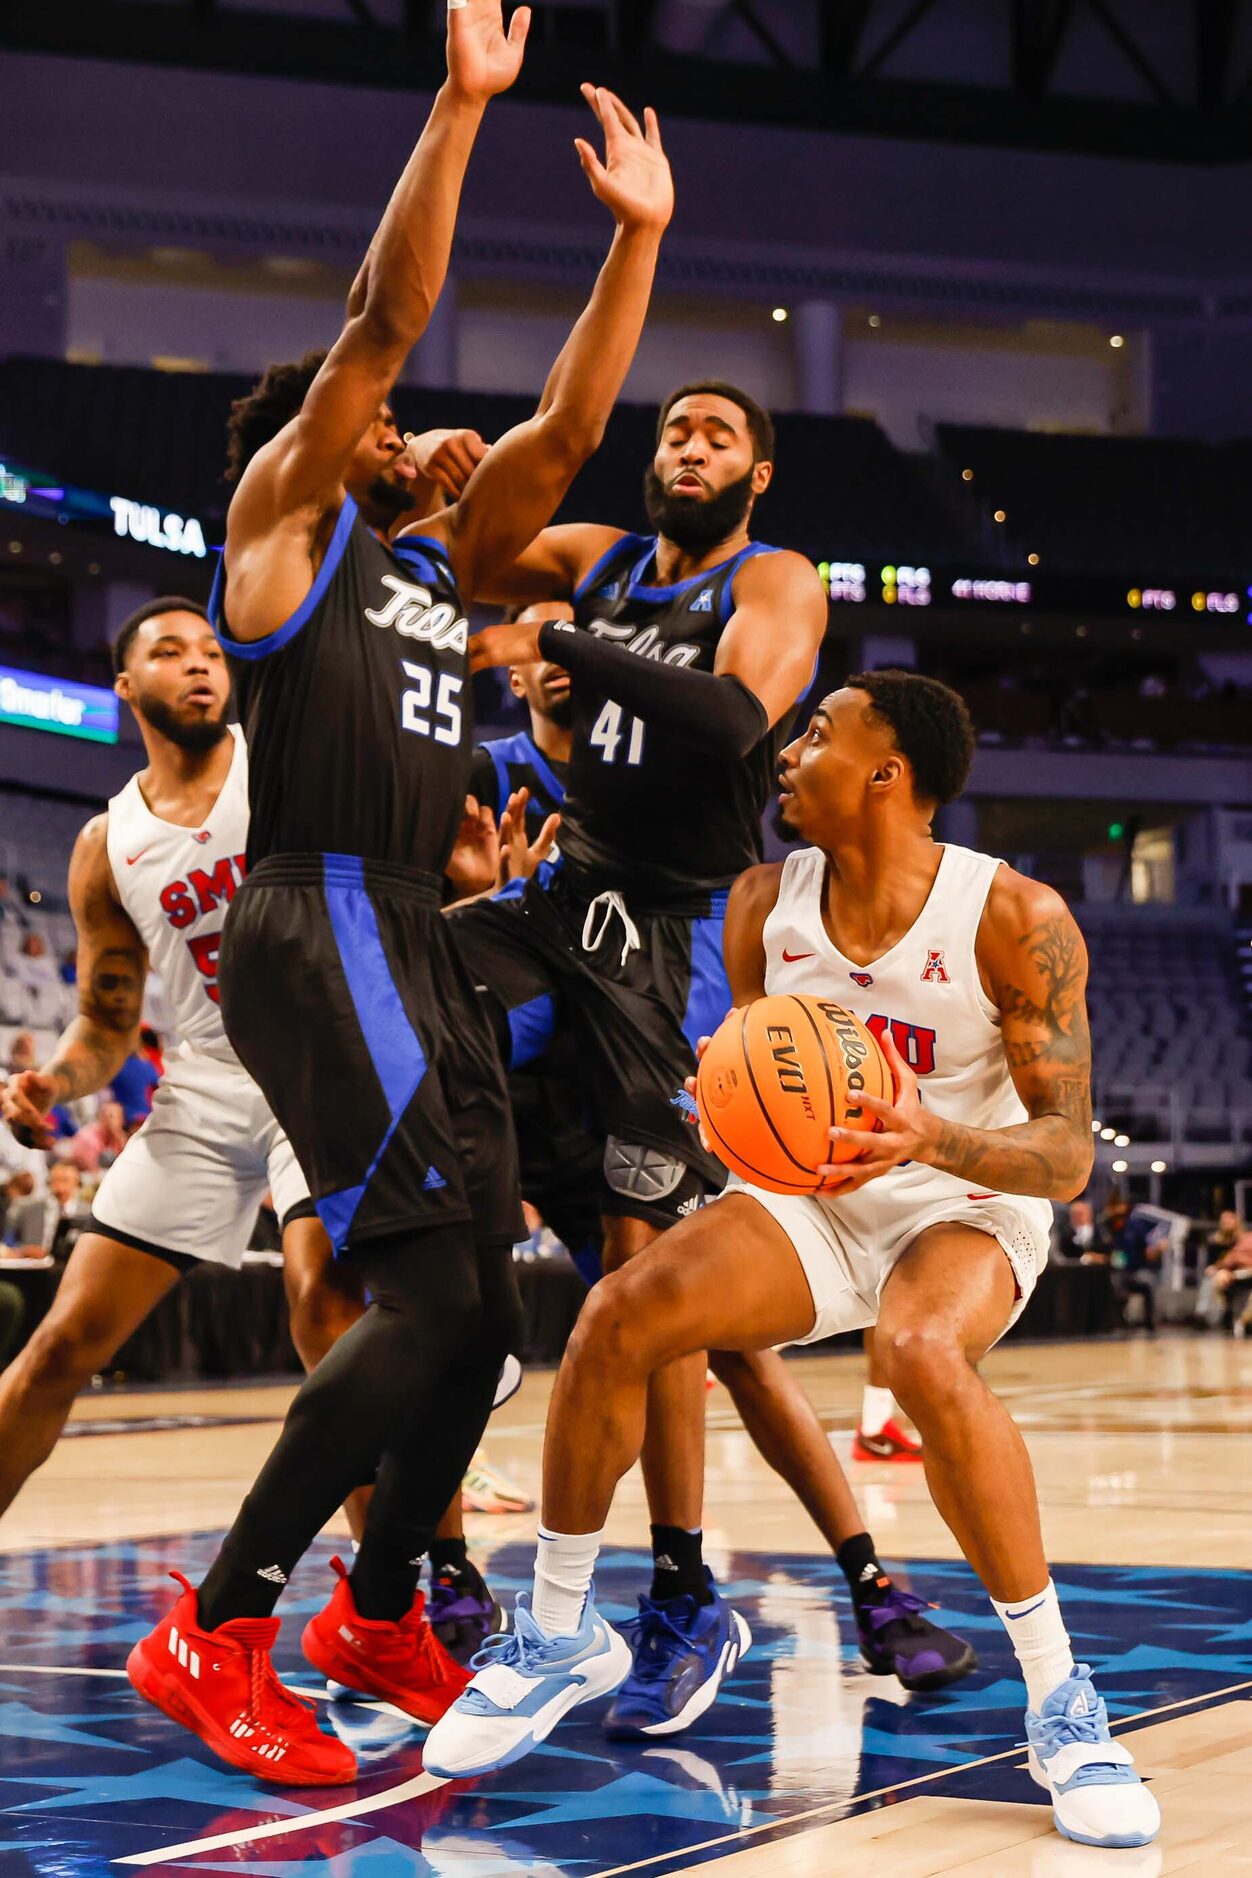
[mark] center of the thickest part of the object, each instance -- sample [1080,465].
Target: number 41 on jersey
[608,732]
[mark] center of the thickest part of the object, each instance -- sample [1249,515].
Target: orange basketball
[776,1077]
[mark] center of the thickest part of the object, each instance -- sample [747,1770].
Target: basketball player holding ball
[975,976]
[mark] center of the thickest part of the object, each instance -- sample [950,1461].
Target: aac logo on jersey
[703,603]
[934,971]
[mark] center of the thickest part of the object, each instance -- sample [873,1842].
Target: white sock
[877,1408]
[1040,1642]
[563,1567]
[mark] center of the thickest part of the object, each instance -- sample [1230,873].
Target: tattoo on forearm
[110,999]
[1047,1043]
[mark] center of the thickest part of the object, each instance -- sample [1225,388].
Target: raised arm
[1034,966]
[276,529]
[112,968]
[521,480]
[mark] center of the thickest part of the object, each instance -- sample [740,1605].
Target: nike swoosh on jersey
[789,958]
[132,858]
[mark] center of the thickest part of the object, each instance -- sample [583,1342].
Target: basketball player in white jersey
[974,977]
[150,881]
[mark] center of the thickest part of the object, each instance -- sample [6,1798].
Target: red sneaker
[221,1685]
[403,1663]
[889,1444]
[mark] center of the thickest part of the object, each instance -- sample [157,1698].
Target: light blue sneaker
[1097,1797]
[525,1683]
[680,1651]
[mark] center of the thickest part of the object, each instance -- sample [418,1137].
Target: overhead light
[15,547]
[1107,1134]
[34,896]
[1119,1167]
[1095,1127]
[1158,1167]
[1121,1141]
[1001,516]
[967,476]
[1033,560]
[1116,341]
[875,320]
[779,314]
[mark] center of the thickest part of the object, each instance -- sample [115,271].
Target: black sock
[867,1581]
[229,1591]
[382,1589]
[678,1565]
[448,1558]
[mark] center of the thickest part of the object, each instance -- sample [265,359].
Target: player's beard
[387,501]
[559,710]
[194,735]
[696,522]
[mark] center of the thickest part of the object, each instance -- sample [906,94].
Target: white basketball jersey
[176,883]
[926,988]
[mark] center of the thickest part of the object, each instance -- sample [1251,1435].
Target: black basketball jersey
[357,710]
[645,811]
[503,765]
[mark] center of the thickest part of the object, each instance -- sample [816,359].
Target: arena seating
[1173,1060]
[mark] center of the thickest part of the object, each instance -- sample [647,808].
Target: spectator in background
[33,1229]
[99,1143]
[1226,1275]
[150,1047]
[69,968]
[33,964]
[132,1088]
[1228,1234]
[1138,1244]
[7,902]
[19,1186]
[1079,1236]
[21,1053]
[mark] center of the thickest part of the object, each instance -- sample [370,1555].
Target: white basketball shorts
[191,1180]
[849,1249]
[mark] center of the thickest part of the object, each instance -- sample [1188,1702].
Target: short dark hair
[164,603]
[271,404]
[760,423]
[931,726]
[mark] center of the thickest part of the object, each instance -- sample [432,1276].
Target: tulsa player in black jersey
[342,990]
[690,652]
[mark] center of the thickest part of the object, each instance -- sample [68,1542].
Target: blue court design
[89,1775]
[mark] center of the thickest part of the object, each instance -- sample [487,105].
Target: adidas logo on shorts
[273,1574]
[434,1180]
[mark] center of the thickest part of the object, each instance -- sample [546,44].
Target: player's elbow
[572,434]
[1074,1177]
[387,331]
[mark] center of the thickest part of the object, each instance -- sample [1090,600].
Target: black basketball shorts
[634,990]
[350,1006]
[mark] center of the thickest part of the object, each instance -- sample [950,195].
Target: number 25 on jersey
[415,704]
[608,733]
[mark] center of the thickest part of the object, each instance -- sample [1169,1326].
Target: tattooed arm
[1033,965]
[112,967]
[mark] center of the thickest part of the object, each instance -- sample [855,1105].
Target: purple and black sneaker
[462,1612]
[896,1640]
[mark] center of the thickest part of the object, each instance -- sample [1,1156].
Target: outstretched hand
[634,180]
[484,59]
[504,645]
[519,858]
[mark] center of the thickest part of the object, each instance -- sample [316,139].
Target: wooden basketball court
[805,1766]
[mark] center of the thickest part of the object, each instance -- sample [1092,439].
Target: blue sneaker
[1097,1797]
[682,1651]
[525,1683]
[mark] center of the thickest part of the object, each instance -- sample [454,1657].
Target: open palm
[483,60]
[634,179]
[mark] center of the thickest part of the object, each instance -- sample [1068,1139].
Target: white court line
[351,1809]
[782,1823]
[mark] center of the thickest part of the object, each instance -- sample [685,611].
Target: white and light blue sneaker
[1097,1797]
[524,1683]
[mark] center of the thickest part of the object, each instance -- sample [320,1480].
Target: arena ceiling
[1163,79]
